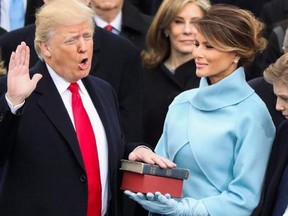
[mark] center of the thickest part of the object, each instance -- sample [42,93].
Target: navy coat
[44,173]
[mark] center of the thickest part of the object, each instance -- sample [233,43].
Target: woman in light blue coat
[222,131]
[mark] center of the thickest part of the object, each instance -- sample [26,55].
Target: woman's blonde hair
[58,13]
[158,45]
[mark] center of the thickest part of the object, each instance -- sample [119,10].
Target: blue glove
[160,204]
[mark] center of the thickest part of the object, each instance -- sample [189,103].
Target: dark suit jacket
[115,60]
[265,92]
[134,2]
[10,41]
[44,174]
[32,6]
[160,87]
[277,163]
[151,7]
[148,7]
[245,4]
[273,50]
[2,31]
[270,17]
[135,25]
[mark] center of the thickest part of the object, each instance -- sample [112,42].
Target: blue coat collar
[231,90]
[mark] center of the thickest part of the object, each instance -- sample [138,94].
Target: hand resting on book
[165,205]
[145,154]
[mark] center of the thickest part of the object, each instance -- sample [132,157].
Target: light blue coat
[223,133]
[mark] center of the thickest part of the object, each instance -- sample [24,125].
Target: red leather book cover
[143,183]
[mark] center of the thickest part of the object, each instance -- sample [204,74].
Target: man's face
[106,5]
[69,51]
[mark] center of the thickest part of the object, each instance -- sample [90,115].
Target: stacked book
[144,178]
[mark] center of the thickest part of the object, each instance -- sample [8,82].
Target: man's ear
[45,49]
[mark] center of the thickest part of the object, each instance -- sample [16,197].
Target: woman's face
[211,62]
[181,30]
[281,91]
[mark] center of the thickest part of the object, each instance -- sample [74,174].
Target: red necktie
[108,27]
[87,142]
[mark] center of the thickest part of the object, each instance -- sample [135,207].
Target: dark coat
[274,50]
[245,4]
[268,15]
[135,25]
[148,7]
[10,41]
[276,166]
[2,31]
[44,173]
[160,88]
[265,92]
[115,60]
[32,6]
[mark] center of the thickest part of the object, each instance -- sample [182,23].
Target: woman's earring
[166,33]
[236,61]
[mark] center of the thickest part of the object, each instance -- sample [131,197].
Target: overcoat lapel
[102,106]
[53,107]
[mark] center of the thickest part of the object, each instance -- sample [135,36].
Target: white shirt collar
[61,84]
[116,23]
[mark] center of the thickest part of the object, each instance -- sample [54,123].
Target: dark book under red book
[137,182]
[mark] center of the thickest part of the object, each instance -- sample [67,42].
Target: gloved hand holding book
[165,205]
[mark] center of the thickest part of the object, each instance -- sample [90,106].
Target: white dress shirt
[286,212]
[116,23]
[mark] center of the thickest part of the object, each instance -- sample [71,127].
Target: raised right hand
[19,84]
